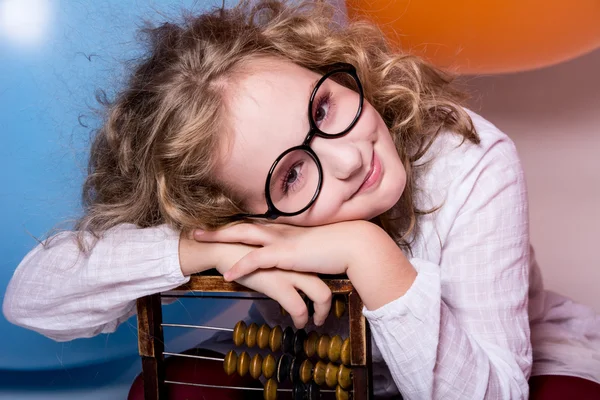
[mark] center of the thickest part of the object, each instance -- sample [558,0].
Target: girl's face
[362,172]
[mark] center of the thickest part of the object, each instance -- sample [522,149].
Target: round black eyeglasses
[296,177]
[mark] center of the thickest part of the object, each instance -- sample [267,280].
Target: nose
[343,159]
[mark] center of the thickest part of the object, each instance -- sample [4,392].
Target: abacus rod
[214,328]
[217,386]
[236,387]
[166,353]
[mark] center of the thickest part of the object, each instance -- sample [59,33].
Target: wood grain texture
[151,346]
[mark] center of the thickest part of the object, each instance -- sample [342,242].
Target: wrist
[196,256]
[380,272]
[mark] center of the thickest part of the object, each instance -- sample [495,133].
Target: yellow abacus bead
[270,392]
[306,371]
[341,394]
[275,338]
[339,306]
[230,362]
[256,366]
[331,374]
[243,364]
[262,337]
[319,372]
[335,348]
[344,377]
[239,333]
[346,352]
[323,346]
[310,344]
[269,366]
[251,335]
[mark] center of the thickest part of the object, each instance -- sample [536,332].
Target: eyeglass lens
[295,178]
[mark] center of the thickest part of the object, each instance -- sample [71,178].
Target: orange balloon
[487,36]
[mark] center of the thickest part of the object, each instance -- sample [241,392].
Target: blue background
[46,119]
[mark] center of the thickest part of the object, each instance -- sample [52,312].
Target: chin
[378,206]
[389,196]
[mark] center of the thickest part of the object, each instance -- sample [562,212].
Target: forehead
[265,79]
[268,113]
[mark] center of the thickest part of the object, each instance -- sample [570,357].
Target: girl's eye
[321,109]
[291,178]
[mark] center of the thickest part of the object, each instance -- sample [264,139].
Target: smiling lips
[372,176]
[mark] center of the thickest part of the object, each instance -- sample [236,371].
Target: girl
[273,144]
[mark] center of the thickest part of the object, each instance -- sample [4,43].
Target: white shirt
[462,331]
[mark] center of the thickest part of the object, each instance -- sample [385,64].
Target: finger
[261,258]
[251,234]
[291,301]
[316,290]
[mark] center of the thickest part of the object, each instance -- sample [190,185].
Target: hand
[376,266]
[326,249]
[281,286]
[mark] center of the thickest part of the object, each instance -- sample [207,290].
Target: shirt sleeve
[462,330]
[65,294]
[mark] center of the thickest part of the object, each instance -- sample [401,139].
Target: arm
[64,294]
[461,331]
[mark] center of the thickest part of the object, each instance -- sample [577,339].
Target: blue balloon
[47,87]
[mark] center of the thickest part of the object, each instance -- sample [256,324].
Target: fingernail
[227,276]
[198,232]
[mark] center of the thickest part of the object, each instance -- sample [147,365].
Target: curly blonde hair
[151,160]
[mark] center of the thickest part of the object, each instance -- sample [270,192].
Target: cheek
[371,119]
[324,211]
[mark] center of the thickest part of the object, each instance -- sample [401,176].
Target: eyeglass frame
[272,211]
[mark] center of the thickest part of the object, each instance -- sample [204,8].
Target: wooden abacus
[342,364]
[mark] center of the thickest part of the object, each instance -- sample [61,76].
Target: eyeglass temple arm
[268,215]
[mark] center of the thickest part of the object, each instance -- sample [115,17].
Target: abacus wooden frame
[151,341]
